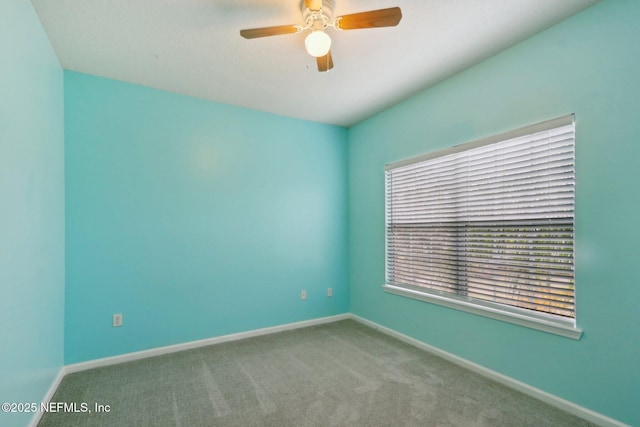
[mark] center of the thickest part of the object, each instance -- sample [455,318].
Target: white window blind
[490,222]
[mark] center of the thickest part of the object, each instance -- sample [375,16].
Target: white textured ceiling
[193,47]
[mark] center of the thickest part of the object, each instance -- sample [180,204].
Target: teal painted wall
[195,219]
[31,210]
[587,65]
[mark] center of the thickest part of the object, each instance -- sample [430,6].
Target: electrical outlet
[117,320]
[303,295]
[329,292]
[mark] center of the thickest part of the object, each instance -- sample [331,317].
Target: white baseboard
[536,393]
[558,402]
[48,396]
[128,357]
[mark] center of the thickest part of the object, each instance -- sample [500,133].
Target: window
[488,227]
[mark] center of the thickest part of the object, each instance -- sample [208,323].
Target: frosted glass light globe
[318,43]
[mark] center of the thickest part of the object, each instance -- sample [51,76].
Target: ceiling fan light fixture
[318,16]
[318,43]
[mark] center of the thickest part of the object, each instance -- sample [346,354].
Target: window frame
[529,318]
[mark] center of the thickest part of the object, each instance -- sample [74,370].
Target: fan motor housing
[318,20]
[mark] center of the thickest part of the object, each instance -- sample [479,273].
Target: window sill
[480,310]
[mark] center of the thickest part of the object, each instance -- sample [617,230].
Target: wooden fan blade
[313,4]
[371,19]
[253,33]
[325,63]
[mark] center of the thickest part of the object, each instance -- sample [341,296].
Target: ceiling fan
[317,15]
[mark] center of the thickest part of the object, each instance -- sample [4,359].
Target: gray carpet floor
[338,374]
